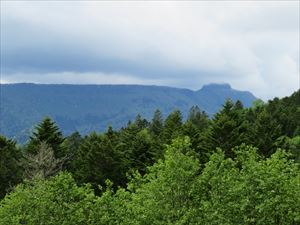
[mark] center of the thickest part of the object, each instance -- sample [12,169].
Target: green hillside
[240,166]
[86,108]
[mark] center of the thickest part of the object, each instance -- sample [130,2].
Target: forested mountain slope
[93,107]
[240,166]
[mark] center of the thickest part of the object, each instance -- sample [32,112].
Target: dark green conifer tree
[157,124]
[98,160]
[198,118]
[229,128]
[71,146]
[138,147]
[286,112]
[141,122]
[10,165]
[195,127]
[172,127]
[265,132]
[47,131]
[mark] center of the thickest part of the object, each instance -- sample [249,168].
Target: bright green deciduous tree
[248,189]
[162,196]
[48,202]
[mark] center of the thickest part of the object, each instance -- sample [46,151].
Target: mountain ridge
[91,107]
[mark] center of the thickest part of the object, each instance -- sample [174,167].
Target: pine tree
[10,166]
[157,123]
[71,146]
[138,147]
[47,131]
[229,128]
[195,127]
[173,126]
[140,122]
[198,118]
[265,132]
[98,159]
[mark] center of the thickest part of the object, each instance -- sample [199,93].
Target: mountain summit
[215,87]
[86,108]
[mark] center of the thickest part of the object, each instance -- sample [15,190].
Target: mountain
[86,108]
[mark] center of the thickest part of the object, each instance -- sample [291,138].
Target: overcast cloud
[251,45]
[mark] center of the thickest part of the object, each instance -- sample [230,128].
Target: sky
[252,45]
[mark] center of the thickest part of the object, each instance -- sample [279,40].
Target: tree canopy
[239,167]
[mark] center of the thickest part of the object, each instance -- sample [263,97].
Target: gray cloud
[254,46]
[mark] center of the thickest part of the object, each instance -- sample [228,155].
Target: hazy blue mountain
[86,108]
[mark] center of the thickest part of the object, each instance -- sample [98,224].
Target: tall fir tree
[172,127]
[195,127]
[265,132]
[198,118]
[141,122]
[229,128]
[157,123]
[47,131]
[98,160]
[71,146]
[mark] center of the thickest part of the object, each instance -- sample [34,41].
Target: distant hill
[86,108]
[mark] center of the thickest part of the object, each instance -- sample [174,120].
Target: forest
[240,166]
[88,108]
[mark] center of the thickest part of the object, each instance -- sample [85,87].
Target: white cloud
[252,45]
[81,78]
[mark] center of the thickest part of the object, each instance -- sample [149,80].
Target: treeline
[239,167]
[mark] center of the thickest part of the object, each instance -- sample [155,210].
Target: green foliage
[88,108]
[112,208]
[98,159]
[286,112]
[172,126]
[229,128]
[140,122]
[156,125]
[10,165]
[71,146]
[162,195]
[248,190]
[57,201]
[245,190]
[292,145]
[47,131]
[142,153]
[198,171]
[198,118]
[257,103]
[265,132]
[196,127]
